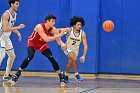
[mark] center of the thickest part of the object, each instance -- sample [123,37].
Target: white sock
[76,73]
[66,73]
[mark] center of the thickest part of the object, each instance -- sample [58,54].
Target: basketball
[108,25]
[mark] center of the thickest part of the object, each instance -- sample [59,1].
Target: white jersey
[5,41]
[11,21]
[74,40]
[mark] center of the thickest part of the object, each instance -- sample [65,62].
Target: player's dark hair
[76,19]
[12,2]
[49,17]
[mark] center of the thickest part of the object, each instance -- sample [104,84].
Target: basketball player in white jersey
[7,26]
[74,37]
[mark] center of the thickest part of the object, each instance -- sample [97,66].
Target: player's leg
[73,57]
[69,66]
[47,53]
[2,54]
[2,49]
[66,73]
[11,57]
[10,61]
[72,62]
[25,63]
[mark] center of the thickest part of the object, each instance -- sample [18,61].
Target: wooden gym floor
[36,82]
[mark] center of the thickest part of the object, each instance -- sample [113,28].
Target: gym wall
[116,52]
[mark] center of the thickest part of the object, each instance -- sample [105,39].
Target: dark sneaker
[62,82]
[5,77]
[15,78]
[78,78]
[66,78]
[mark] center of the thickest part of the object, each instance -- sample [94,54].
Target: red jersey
[37,42]
[35,37]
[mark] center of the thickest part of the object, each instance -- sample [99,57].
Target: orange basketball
[108,25]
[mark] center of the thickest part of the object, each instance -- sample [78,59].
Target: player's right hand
[21,26]
[57,36]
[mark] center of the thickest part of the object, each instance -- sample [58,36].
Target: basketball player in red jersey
[37,41]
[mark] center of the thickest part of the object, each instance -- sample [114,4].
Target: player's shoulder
[38,27]
[5,14]
[83,32]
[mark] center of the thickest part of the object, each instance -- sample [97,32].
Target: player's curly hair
[76,19]
[12,1]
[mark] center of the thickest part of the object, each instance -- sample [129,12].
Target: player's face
[52,22]
[15,5]
[78,26]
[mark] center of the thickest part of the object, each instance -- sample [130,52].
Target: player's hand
[21,26]
[82,59]
[62,33]
[67,30]
[57,36]
[63,47]
[19,36]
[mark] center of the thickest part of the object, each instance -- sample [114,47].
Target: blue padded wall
[119,50]
[131,37]
[110,43]
[115,52]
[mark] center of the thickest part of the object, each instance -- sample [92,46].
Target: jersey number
[74,42]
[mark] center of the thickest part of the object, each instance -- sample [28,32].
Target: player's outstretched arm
[59,41]
[46,38]
[65,30]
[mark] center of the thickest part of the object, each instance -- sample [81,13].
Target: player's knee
[72,56]
[74,59]
[26,62]
[12,57]
[2,54]
[51,58]
[30,57]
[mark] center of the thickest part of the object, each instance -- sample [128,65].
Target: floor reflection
[10,87]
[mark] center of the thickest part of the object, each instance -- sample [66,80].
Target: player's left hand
[61,34]
[82,59]
[63,47]
[19,36]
